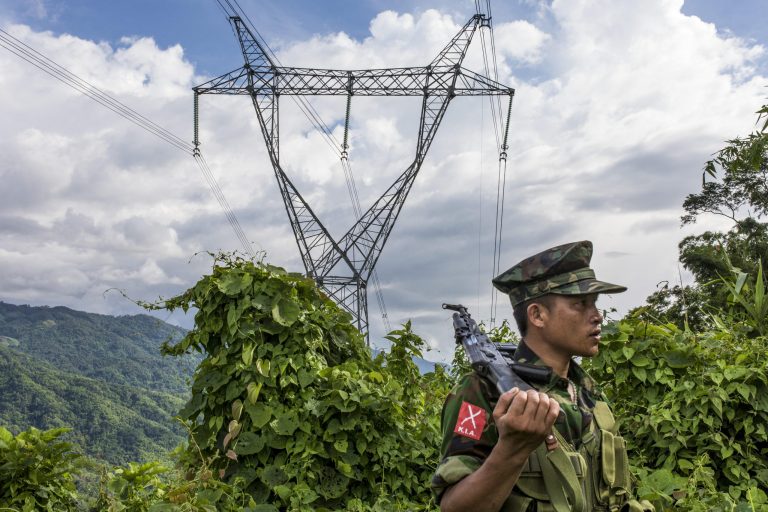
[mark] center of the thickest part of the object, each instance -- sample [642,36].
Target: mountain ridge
[114,349]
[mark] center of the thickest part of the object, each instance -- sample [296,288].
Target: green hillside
[117,350]
[111,422]
[100,375]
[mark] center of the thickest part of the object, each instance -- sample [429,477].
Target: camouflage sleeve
[468,431]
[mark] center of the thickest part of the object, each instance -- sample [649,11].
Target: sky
[618,105]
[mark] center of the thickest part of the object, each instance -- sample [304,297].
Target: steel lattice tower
[342,268]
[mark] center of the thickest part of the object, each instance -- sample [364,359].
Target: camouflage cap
[562,270]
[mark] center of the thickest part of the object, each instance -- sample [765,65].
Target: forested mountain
[110,422]
[102,376]
[117,350]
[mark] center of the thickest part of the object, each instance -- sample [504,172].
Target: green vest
[594,478]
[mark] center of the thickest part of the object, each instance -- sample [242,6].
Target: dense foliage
[289,402]
[152,487]
[696,405]
[290,412]
[36,472]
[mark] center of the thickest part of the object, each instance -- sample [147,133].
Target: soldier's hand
[524,419]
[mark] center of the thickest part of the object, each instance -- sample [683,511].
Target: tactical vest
[593,478]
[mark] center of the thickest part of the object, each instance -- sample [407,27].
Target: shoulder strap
[560,477]
[604,417]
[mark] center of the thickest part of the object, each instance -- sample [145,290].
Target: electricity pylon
[342,268]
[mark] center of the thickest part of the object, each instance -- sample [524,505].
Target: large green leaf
[5,438]
[678,359]
[273,475]
[640,373]
[286,423]
[331,483]
[641,360]
[233,283]
[306,377]
[259,413]
[263,366]
[285,312]
[253,389]
[247,353]
[663,481]
[735,372]
[237,409]
[249,443]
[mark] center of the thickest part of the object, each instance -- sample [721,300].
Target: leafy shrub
[152,487]
[697,407]
[288,400]
[36,471]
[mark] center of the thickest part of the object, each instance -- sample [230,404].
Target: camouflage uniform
[585,427]
[463,455]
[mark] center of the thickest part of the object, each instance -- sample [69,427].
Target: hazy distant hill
[424,365]
[117,350]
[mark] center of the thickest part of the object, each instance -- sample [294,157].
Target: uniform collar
[524,354]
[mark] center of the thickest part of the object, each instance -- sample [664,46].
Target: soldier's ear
[536,314]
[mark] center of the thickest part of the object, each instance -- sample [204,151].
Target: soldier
[502,453]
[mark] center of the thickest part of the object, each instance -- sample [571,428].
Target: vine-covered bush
[696,405]
[37,471]
[289,402]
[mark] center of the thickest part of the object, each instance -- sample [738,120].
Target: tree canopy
[734,186]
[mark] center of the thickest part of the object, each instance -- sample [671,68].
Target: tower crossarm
[234,82]
[368,82]
[469,83]
[260,75]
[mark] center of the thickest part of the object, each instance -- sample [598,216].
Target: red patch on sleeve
[471,421]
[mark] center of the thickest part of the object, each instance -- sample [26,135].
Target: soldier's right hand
[524,419]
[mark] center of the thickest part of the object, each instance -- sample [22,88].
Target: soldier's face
[572,324]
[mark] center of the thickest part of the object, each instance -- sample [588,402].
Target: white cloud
[520,41]
[618,105]
[396,40]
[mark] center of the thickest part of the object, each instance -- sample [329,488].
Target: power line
[352,188]
[487,69]
[60,73]
[37,59]
[209,177]
[501,179]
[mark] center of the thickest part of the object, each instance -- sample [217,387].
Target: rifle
[488,360]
